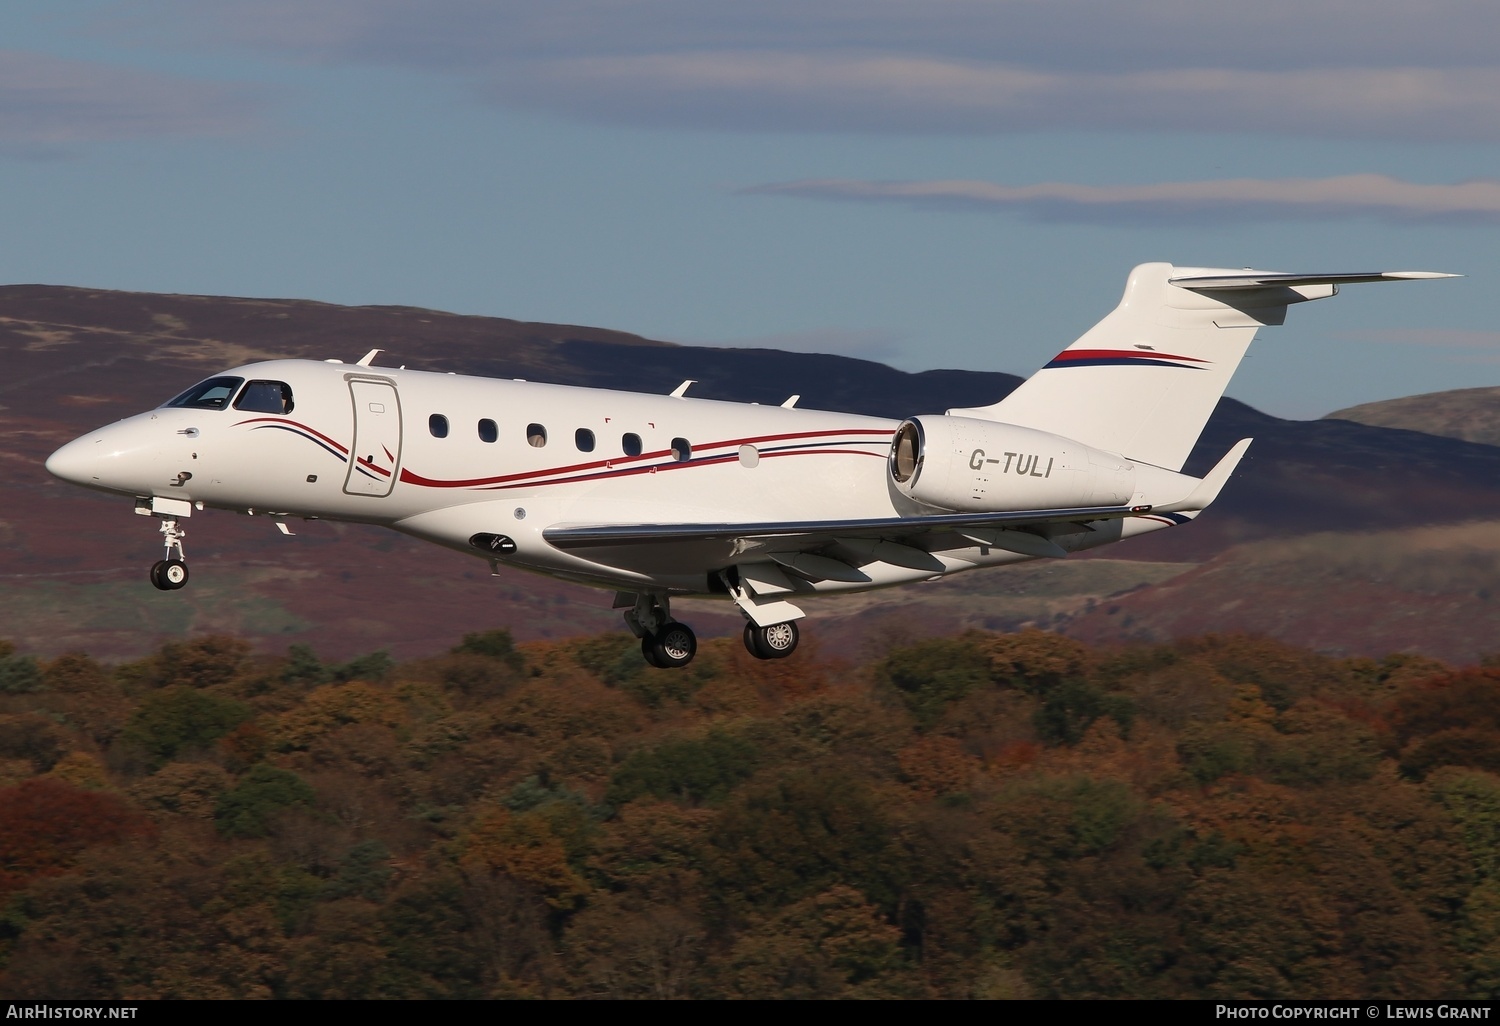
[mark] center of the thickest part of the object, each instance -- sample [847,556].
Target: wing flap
[821,568]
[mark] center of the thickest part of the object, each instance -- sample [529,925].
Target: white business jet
[656,496]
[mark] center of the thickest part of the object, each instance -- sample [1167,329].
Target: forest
[985,815]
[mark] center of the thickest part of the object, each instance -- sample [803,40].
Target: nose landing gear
[171,573]
[671,647]
[665,643]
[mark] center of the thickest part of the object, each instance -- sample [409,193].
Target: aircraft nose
[78,461]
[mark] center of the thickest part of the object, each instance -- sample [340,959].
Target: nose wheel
[673,646]
[665,643]
[171,573]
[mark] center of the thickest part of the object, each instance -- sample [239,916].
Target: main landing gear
[774,642]
[667,644]
[171,573]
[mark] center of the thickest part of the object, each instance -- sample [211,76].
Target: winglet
[1208,489]
[681,390]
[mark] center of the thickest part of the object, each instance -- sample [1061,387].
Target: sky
[927,183]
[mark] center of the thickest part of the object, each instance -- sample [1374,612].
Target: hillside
[74,562]
[1472,414]
[985,816]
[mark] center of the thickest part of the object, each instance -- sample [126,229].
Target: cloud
[1098,35]
[1340,197]
[1356,68]
[822,92]
[48,104]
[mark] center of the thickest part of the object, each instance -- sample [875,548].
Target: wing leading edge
[808,532]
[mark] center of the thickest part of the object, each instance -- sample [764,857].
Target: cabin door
[375,457]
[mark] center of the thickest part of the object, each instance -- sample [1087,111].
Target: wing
[904,541]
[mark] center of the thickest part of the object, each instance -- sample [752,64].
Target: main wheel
[675,645]
[173,574]
[648,650]
[774,642]
[156,578]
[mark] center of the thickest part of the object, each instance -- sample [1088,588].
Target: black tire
[674,645]
[173,574]
[648,650]
[157,581]
[774,642]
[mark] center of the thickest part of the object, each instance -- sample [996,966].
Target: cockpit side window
[265,397]
[213,394]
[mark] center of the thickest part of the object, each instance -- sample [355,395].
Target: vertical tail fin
[1143,381]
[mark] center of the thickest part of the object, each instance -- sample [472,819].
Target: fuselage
[451,458]
[442,456]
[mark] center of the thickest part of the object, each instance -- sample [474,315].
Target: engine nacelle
[979,466]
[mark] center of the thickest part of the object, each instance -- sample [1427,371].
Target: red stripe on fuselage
[702,461]
[408,477]
[1114,354]
[293,423]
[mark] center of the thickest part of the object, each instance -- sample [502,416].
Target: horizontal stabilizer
[1268,279]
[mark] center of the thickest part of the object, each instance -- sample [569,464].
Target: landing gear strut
[665,643]
[171,573]
[763,640]
[777,641]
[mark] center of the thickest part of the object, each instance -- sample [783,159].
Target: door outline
[377,430]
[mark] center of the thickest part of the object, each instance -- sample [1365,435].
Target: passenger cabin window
[584,439]
[488,432]
[536,435]
[631,443]
[681,450]
[265,397]
[212,394]
[438,425]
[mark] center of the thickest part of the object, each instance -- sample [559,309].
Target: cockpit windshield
[265,397]
[213,394]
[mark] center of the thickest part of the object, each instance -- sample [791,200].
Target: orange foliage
[1229,826]
[522,847]
[46,823]
[1034,656]
[780,680]
[1262,816]
[1015,756]
[333,706]
[937,765]
[1466,698]
[246,744]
